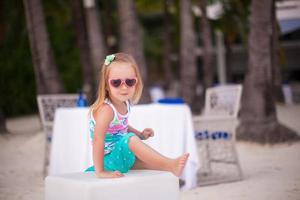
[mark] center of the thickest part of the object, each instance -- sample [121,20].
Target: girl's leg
[154,160]
[138,164]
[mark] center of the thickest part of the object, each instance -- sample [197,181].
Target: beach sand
[270,172]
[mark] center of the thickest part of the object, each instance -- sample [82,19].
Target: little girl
[117,146]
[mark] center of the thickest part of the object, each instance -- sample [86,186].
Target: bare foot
[179,164]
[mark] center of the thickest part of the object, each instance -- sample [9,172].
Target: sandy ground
[270,172]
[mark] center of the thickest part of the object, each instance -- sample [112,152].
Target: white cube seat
[135,185]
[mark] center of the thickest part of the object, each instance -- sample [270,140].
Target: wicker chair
[47,105]
[215,134]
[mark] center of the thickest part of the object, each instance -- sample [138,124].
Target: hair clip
[109,59]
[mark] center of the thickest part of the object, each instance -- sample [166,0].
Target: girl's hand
[147,132]
[108,174]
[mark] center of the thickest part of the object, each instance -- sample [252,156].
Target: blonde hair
[103,84]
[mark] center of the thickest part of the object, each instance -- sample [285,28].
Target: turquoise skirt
[121,158]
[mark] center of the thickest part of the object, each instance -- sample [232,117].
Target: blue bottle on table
[81,101]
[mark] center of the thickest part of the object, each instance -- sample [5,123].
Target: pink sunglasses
[130,82]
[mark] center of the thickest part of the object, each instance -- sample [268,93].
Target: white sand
[21,155]
[270,172]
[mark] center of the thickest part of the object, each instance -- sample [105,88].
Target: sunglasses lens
[130,82]
[115,82]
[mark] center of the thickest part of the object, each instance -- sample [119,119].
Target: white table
[71,149]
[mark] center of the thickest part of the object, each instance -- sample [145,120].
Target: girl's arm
[103,117]
[145,134]
[135,131]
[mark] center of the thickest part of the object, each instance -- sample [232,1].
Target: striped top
[117,127]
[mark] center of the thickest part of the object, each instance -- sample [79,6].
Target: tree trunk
[132,40]
[188,71]
[95,37]
[169,77]
[208,68]
[258,115]
[45,69]
[228,55]
[275,58]
[2,123]
[82,43]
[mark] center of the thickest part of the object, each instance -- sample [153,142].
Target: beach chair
[47,104]
[215,135]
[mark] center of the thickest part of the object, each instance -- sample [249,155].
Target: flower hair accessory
[109,59]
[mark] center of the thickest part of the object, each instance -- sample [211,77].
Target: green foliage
[62,38]
[17,86]
[149,6]
[153,46]
[151,16]
[235,21]
[153,34]
[110,29]
[17,81]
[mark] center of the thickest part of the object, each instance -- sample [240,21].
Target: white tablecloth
[71,149]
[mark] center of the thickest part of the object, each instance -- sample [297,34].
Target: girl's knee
[133,139]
